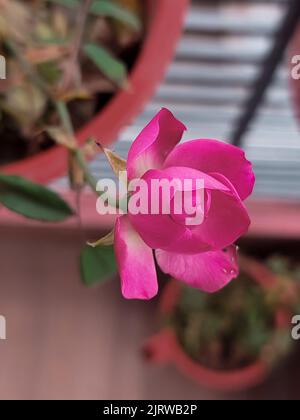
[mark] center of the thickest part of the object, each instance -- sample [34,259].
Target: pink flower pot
[165,348]
[164,25]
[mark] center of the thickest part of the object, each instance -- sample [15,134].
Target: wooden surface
[67,342]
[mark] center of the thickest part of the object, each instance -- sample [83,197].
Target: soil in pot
[45,33]
[229,330]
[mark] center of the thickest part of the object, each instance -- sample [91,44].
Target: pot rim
[147,72]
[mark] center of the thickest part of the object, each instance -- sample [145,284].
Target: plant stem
[90,179]
[60,107]
[73,68]
[67,123]
[65,117]
[28,69]
[82,18]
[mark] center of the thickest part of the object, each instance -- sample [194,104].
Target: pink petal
[225,181]
[214,156]
[135,261]
[183,173]
[210,271]
[158,231]
[154,144]
[226,219]
[161,230]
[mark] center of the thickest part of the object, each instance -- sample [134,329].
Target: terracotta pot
[164,25]
[165,348]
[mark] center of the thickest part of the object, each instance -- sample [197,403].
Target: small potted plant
[229,341]
[102,59]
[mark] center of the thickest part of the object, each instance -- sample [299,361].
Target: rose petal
[210,271]
[157,230]
[135,261]
[226,222]
[161,230]
[154,143]
[185,173]
[226,217]
[214,156]
[225,181]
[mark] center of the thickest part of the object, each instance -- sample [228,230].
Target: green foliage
[106,8]
[110,66]
[110,9]
[97,265]
[66,3]
[38,41]
[32,200]
[226,330]
[284,266]
[50,72]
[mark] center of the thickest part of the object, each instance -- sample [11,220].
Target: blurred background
[230,79]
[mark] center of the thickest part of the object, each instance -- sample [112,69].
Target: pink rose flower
[202,256]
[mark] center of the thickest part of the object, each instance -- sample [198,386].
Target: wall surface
[65,341]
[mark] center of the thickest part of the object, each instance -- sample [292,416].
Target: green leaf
[32,200]
[113,10]
[97,264]
[110,66]
[49,72]
[106,8]
[66,3]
